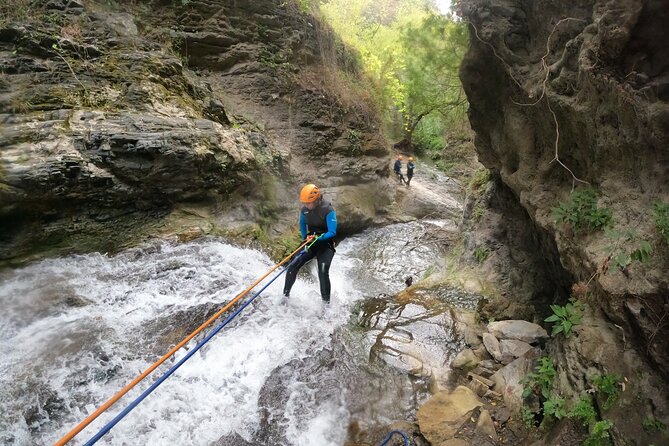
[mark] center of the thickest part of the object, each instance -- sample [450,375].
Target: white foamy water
[74,332]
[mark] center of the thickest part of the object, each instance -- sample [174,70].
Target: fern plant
[583,411]
[609,385]
[600,435]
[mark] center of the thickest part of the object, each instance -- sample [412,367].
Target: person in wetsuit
[317,218]
[397,167]
[410,167]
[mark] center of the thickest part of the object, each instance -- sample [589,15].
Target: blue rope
[390,435]
[167,374]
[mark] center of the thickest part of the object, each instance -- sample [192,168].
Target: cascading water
[75,330]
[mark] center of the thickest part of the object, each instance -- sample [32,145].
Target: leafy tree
[412,53]
[433,53]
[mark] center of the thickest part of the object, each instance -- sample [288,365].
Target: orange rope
[134,382]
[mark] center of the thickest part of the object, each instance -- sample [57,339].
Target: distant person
[398,169]
[317,218]
[410,167]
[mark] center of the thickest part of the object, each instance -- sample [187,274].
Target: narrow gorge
[516,293]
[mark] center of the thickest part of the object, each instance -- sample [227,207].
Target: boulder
[516,329]
[512,349]
[442,415]
[485,426]
[478,387]
[508,381]
[492,345]
[465,360]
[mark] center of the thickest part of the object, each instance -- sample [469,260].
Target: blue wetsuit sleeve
[331,220]
[303,226]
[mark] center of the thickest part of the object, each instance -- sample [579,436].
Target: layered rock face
[113,117]
[571,95]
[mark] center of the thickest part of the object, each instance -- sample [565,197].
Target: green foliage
[583,411]
[354,139]
[433,50]
[305,5]
[481,253]
[600,435]
[478,212]
[661,211]
[554,406]
[652,425]
[565,318]
[528,417]
[429,134]
[581,212]
[626,247]
[541,380]
[17,10]
[412,54]
[479,179]
[609,385]
[643,252]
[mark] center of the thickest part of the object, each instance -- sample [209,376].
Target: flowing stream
[75,330]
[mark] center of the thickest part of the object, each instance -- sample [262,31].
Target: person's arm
[331,220]
[303,225]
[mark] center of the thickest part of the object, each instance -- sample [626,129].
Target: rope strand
[88,420]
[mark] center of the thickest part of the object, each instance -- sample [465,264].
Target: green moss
[276,248]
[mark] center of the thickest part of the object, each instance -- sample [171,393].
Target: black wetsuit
[322,220]
[398,170]
[410,168]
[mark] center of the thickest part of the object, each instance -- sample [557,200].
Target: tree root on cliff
[544,87]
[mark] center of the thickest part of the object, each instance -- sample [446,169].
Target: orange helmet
[310,193]
[399,157]
[411,158]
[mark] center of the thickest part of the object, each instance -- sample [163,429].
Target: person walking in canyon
[397,167]
[318,224]
[410,167]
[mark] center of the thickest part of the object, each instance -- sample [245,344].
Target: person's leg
[324,256]
[291,274]
[409,177]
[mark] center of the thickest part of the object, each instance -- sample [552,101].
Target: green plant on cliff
[626,247]
[480,178]
[564,318]
[600,435]
[609,386]
[652,425]
[581,212]
[661,211]
[584,411]
[541,380]
[528,417]
[555,407]
[16,10]
[481,253]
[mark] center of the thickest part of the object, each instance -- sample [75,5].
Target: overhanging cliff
[569,99]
